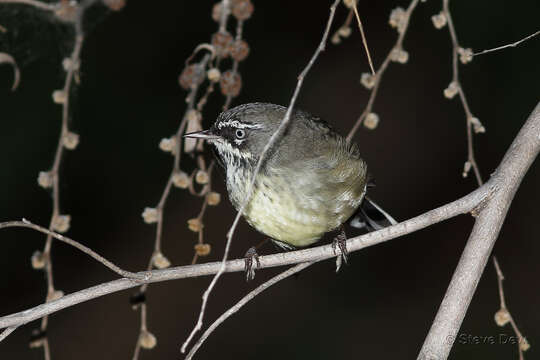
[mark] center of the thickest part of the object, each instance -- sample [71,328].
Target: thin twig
[27,224]
[37,4]
[4,334]
[364,40]
[259,289]
[514,44]
[271,142]
[522,342]
[455,68]
[380,72]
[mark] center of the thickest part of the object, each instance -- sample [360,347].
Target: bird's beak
[205,134]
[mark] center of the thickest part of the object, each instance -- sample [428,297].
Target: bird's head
[240,134]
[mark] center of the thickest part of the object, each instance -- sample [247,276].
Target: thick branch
[491,216]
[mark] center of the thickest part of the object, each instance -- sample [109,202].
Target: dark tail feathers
[371,217]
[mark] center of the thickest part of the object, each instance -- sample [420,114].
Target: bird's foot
[251,261]
[341,244]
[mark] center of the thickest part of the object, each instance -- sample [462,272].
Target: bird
[311,181]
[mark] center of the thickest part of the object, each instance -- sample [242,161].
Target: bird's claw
[341,244]
[251,261]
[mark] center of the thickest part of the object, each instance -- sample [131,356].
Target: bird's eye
[240,134]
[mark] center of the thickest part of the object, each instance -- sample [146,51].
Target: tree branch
[491,215]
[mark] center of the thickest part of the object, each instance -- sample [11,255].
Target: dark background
[383,303]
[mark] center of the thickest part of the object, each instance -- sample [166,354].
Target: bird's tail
[371,217]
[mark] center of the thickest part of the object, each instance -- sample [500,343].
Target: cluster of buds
[59,96]
[70,140]
[213,198]
[343,32]
[192,76]
[39,260]
[61,223]
[202,249]
[66,11]
[239,50]
[439,20]
[195,224]
[465,55]
[451,90]
[213,75]
[150,215]
[168,144]
[160,261]
[371,121]
[477,125]
[230,83]
[202,177]
[181,180]
[399,55]
[115,5]
[68,64]
[147,340]
[368,80]
[242,9]
[398,19]
[45,179]
[222,41]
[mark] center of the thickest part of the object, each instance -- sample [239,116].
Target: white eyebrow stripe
[238,125]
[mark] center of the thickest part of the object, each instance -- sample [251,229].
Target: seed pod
[239,50]
[222,41]
[230,83]
[191,77]
[147,340]
[242,9]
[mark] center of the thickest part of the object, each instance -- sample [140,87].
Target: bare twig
[271,142]
[8,59]
[491,214]
[259,289]
[37,4]
[514,44]
[27,224]
[455,80]
[4,334]
[380,72]
[505,315]
[364,40]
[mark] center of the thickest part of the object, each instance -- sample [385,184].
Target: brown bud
[115,5]
[195,224]
[191,76]
[222,41]
[242,9]
[213,198]
[202,249]
[239,50]
[230,83]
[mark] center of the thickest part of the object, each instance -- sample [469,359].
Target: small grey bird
[311,182]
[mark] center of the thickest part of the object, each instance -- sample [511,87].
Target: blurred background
[383,303]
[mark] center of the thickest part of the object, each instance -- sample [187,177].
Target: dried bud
[202,177]
[349,3]
[466,168]
[524,344]
[38,260]
[160,261]
[115,5]
[502,317]
[345,31]
[70,140]
[61,223]
[147,340]
[371,121]
[222,41]
[66,11]
[477,125]
[45,179]
[213,74]
[195,224]
[230,83]
[150,215]
[239,50]
[216,12]
[439,20]
[168,144]
[465,55]
[368,80]
[181,180]
[399,55]
[213,198]
[336,39]
[398,18]
[55,295]
[59,96]
[242,9]
[202,249]
[68,64]
[191,77]
[451,90]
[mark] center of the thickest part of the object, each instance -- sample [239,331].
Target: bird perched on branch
[311,181]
